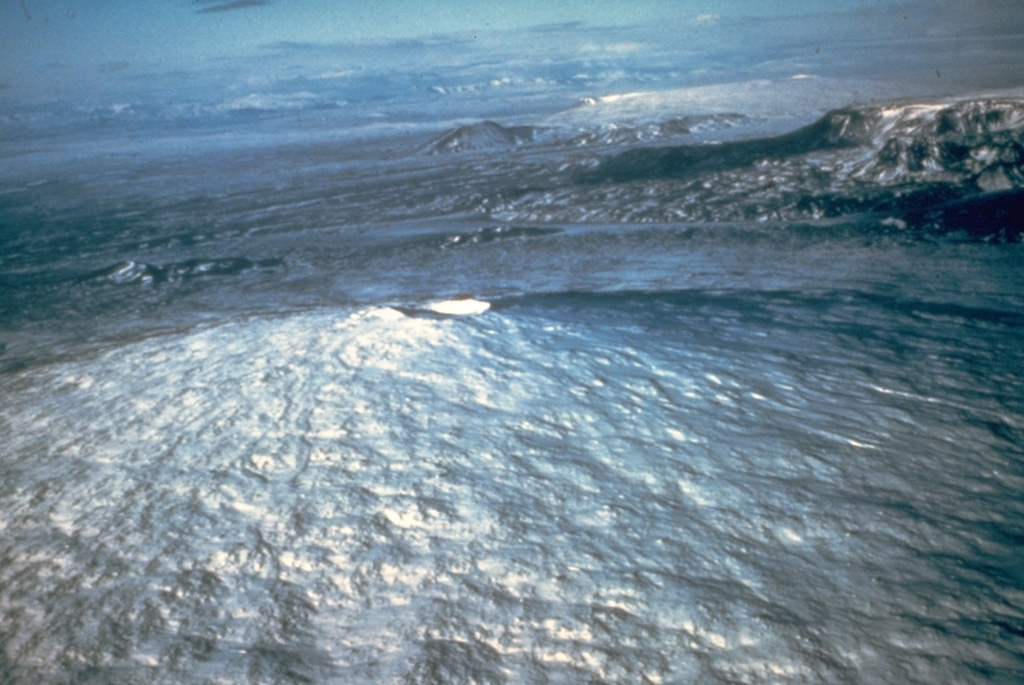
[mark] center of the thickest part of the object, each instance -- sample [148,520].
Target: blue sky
[75,50]
[146,30]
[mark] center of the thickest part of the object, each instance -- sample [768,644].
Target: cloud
[228,6]
[620,48]
[292,45]
[559,27]
[383,45]
[706,20]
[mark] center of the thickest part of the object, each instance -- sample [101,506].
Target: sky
[74,50]
[169,30]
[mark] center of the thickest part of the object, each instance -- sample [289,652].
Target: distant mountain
[487,135]
[981,140]
[954,166]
